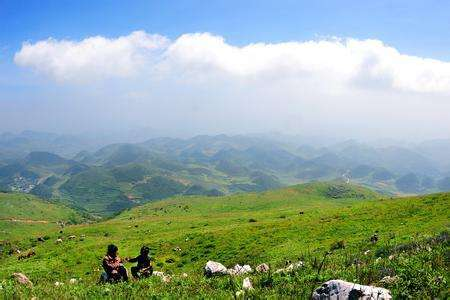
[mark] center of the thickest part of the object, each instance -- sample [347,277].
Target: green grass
[296,223]
[24,216]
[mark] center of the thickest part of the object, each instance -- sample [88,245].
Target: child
[143,268]
[112,264]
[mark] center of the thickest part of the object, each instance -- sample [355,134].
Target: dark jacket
[143,261]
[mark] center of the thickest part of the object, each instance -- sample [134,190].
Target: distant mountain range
[117,176]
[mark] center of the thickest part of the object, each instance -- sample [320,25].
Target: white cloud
[347,63]
[92,58]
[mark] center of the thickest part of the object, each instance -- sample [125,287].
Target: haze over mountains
[105,179]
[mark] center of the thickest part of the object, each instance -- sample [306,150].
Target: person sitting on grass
[113,266]
[144,267]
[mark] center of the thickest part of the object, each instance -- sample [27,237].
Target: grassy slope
[219,229]
[24,216]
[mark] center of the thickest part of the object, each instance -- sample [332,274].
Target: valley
[120,176]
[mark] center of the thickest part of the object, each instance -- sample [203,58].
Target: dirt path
[28,221]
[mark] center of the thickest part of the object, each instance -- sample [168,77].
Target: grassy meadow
[328,226]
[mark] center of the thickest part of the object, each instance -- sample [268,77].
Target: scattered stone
[57,283]
[391,257]
[177,249]
[58,241]
[247,284]
[378,259]
[389,279]
[213,268]
[158,273]
[26,255]
[22,279]
[184,275]
[339,289]
[240,270]
[291,267]
[366,252]
[73,281]
[166,279]
[262,268]
[294,266]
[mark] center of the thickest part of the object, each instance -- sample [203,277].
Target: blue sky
[418,27]
[152,65]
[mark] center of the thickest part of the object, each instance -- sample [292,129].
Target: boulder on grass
[339,289]
[213,268]
[158,273]
[240,270]
[247,284]
[22,279]
[262,268]
[290,268]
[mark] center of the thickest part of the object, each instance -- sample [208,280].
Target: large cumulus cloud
[342,63]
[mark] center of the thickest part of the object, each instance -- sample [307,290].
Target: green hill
[24,217]
[326,225]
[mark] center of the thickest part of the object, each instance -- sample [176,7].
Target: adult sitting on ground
[144,267]
[112,264]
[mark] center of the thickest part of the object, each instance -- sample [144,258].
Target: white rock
[58,241]
[166,279]
[294,266]
[389,279]
[366,252]
[391,257]
[57,283]
[73,281]
[239,270]
[158,273]
[214,268]
[22,279]
[184,275]
[262,268]
[247,284]
[290,268]
[339,289]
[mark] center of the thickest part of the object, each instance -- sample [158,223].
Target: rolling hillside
[327,225]
[24,216]
[123,175]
